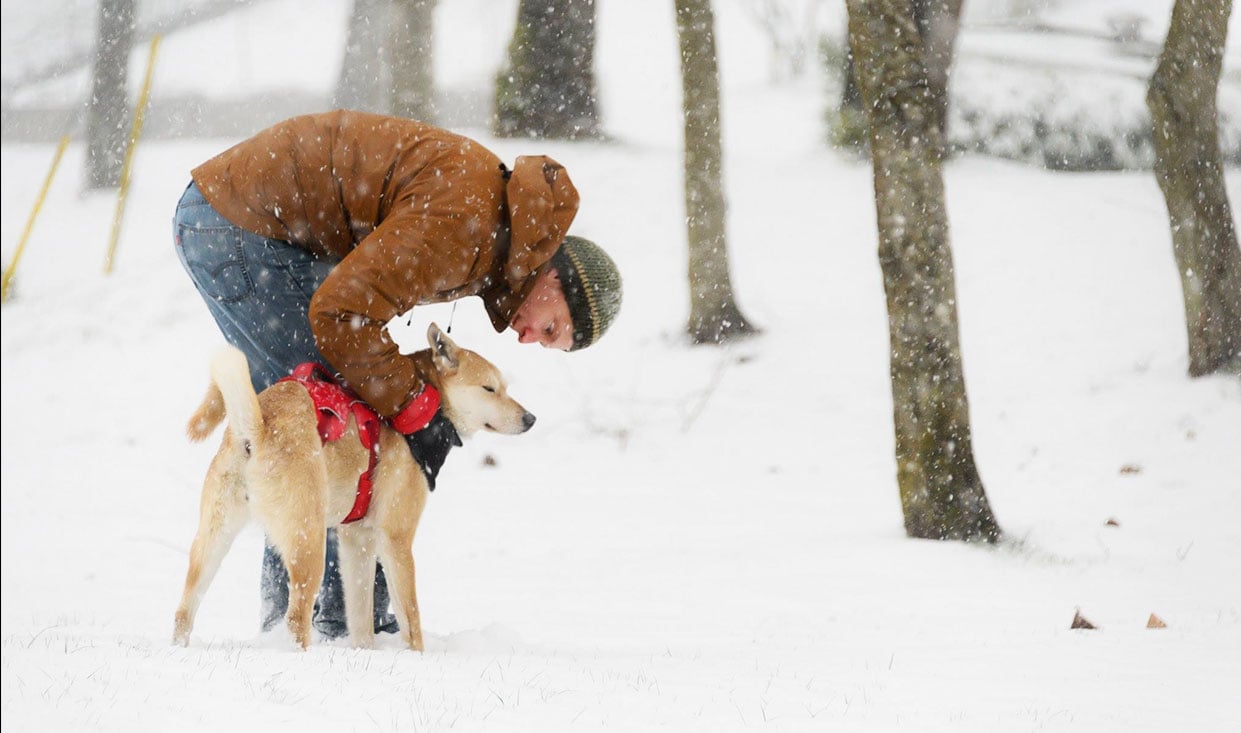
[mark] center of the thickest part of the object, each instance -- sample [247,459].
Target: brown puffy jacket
[413,213]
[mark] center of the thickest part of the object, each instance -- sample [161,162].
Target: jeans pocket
[287,267]
[216,260]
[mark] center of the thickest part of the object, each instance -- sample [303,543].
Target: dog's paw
[181,629]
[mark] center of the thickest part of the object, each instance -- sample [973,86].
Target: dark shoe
[273,590]
[329,614]
[385,620]
[386,624]
[330,618]
[331,628]
[336,629]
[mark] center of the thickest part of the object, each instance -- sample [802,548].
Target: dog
[273,466]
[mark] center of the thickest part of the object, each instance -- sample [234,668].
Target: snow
[691,538]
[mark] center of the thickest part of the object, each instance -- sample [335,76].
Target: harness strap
[334,402]
[368,433]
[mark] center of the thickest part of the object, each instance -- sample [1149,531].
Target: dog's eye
[489,388]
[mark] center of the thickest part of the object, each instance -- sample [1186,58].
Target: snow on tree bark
[107,131]
[942,494]
[547,88]
[1182,100]
[714,316]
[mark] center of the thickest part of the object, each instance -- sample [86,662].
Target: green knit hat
[592,288]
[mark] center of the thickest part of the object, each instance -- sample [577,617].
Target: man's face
[544,317]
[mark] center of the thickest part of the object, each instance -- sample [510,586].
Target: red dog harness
[334,403]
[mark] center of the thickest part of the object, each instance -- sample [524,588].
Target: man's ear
[553,277]
[443,350]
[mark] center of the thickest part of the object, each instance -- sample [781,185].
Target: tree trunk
[412,60]
[941,492]
[714,316]
[547,90]
[1181,98]
[938,22]
[107,133]
[365,77]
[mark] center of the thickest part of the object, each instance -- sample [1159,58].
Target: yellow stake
[34,213]
[139,114]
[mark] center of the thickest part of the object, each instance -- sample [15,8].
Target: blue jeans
[258,290]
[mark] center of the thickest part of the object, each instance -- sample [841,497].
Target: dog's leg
[396,553]
[222,514]
[288,493]
[357,573]
[303,545]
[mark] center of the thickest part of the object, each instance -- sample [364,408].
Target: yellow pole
[34,213]
[139,114]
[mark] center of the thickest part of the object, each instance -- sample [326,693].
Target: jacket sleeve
[402,263]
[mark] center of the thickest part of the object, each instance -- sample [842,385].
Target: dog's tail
[231,394]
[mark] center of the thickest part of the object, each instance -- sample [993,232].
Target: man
[308,238]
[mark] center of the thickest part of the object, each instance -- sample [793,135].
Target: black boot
[385,620]
[273,589]
[329,614]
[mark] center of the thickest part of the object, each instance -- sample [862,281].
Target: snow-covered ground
[691,538]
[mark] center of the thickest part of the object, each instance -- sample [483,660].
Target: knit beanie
[592,288]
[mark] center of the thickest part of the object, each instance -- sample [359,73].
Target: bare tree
[714,315]
[365,77]
[941,491]
[106,129]
[1182,100]
[547,89]
[389,64]
[938,22]
[412,60]
[791,33]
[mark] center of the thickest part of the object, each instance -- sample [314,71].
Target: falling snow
[692,538]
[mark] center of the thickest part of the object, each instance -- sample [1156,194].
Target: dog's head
[473,393]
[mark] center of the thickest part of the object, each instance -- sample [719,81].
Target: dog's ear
[443,350]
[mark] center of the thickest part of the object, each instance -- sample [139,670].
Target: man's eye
[489,388]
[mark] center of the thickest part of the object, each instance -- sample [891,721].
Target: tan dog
[272,466]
